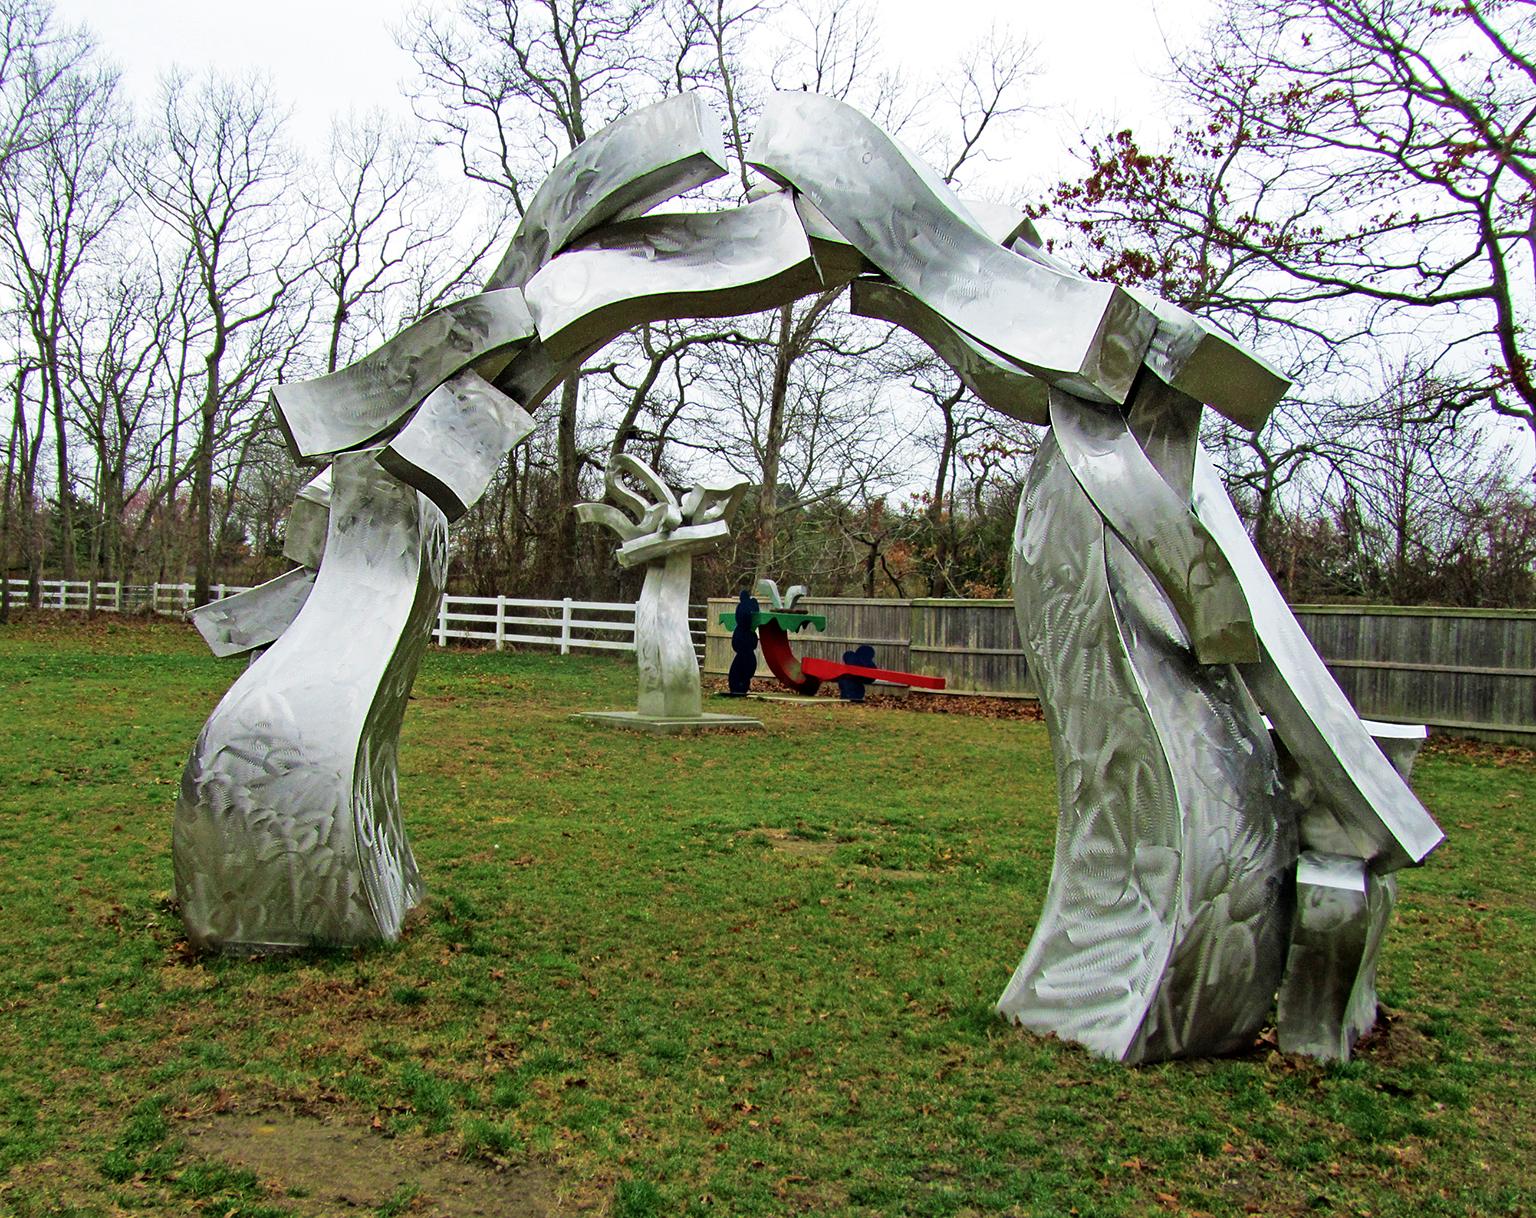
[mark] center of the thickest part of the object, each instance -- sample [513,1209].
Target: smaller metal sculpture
[744,644]
[1327,998]
[663,534]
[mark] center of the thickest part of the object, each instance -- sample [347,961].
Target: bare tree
[1374,156]
[56,203]
[116,352]
[40,67]
[512,86]
[1407,477]
[386,232]
[220,181]
[37,61]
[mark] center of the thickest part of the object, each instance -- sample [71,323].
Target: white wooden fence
[114,597]
[564,624]
[494,621]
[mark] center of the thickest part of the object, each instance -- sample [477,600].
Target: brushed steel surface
[1164,925]
[1400,742]
[1083,335]
[1327,998]
[254,618]
[1190,353]
[997,381]
[1172,892]
[308,520]
[664,655]
[1368,811]
[697,264]
[622,171]
[1131,495]
[1003,222]
[364,400]
[456,441]
[768,589]
[839,259]
[287,829]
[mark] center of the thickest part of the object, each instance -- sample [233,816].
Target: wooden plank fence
[972,644]
[1468,672]
[1463,671]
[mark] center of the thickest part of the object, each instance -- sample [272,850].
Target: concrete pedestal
[670,725]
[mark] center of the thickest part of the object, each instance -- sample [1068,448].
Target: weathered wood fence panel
[974,645]
[1467,671]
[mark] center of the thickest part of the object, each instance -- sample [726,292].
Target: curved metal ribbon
[999,383]
[309,518]
[1163,928]
[1188,352]
[254,618]
[1369,812]
[702,264]
[456,441]
[358,403]
[1126,488]
[622,171]
[1327,998]
[1087,336]
[287,828]
[448,450]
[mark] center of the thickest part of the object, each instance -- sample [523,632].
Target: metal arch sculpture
[1222,808]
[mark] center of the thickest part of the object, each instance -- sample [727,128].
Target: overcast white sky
[326,56]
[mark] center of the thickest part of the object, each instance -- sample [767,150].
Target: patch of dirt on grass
[1394,1041]
[333,1169]
[1479,751]
[786,841]
[975,706]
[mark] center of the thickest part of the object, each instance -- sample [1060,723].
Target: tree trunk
[7,509]
[66,518]
[202,493]
[939,583]
[773,447]
[568,470]
[203,477]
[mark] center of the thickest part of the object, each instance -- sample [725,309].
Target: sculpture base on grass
[671,725]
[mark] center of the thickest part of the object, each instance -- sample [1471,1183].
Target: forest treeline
[1347,185]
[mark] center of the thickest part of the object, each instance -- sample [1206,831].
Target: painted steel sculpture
[1229,828]
[805,676]
[663,535]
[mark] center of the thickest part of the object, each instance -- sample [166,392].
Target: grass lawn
[730,975]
